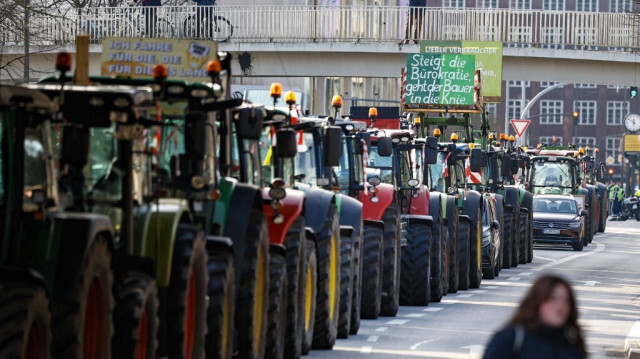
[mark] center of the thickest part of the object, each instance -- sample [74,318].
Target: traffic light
[610,171]
[576,116]
[633,91]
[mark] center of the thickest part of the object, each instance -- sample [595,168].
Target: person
[544,326]
[205,16]
[150,10]
[414,22]
[616,194]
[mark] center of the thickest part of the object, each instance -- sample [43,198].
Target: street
[605,277]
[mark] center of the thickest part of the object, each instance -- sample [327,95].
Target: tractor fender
[75,233]
[512,198]
[420,204]
[471,205]
[602,190]
[317,206]
[527,200]
[499,206]
[350,213]
[23,276]
[464,218]
[222,205]
[451,209]
[161,226]
[418,219]
[375,210]
[372,223]
[290,208]
[435,206]
[217,244]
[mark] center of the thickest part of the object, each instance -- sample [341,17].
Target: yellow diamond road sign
[610,160]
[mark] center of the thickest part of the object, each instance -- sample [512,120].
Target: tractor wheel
[437,287]
[604,213]
[357,284]
[453,223]
[415,276]
[371,273]
[445,260]
[530,237]
[135,318]
[186,305]
[296,263]
[507,242]
[25,322]
[310,281]
[253,290]
[83,320]
[463,254]
[524,237]
[578,246]
[346,284]
[325,330]
[590,227]
[391,272]
[276,316]
[515,240]
[475,253]
[220,314]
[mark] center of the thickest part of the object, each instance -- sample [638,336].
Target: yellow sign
[632,143]
[135,57]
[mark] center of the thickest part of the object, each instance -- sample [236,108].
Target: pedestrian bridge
[358,41]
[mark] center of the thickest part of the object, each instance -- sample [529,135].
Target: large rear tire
[524,236]
[221,311]
[276,317]
[391,272]
[296,274]
[347,268]
[508,239]
[530,236]
[515,240]
[371,272]
[453,222]
[25,322]
[83,319]
[357,283]
[186,305]
[463,254]
[328,293]
[475,253]
[253,289]
[310,281]
[437,285]
[415,286]
[135,317]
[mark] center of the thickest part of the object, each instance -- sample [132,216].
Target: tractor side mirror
[590,166]
[431,151]
[515,164]
[453,154]
[366,137]
[286,143]
[249,122]
[332,146]
[385,146]
[195,131]
[75,146]
[507,168]
[478,159]
[496,224]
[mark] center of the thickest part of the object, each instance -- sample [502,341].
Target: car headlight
[575,224]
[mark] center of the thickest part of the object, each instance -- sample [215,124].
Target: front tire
[221,311]
[371,272]
[463,254]
[391,273]
[475,253]
[437,287]
[347,268]
[276,317]
[415,275]
[296,275]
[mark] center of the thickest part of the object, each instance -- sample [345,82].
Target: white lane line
[633,337]
[491,287]
[432,309]
[514,278]
[526,273]
[464,295]
[415,315]
[501,283]
[600,247]
[416,345]
[478,291]
[543,258]
[381,329]
[397,322]
[366,350]
[449,301]
[373,338]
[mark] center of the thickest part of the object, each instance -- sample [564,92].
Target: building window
[454,3]
[520,36]
[616,110]
[545,84]
[548,140]
[613,148]
[492,111]
[552,38]
[520,4]
[514,109]
[586,111]
[587,5]
[551,112]
[487,4]
[620,6]
[585,86]
[519,83]
[585,141]
[553,4]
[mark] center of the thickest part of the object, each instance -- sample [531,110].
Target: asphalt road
[605,277]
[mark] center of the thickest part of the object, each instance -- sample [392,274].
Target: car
[491,241]
[559,219]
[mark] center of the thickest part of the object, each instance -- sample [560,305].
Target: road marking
[479,291]
[366,350]
[526,273]
[464,295]
[415,315]
[514,278]
[432,309]
[416,345]
[381,329]
[502,283]
[600,248]
[449,301]
[397,322]
[543,258]
[474,350]
[491,287]
[373,338]
[633,337]
[590,283]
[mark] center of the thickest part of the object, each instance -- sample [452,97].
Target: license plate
[551,231]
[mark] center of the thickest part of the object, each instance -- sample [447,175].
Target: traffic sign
[520,126]
[610,160]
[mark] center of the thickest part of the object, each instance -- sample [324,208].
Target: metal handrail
[360,24]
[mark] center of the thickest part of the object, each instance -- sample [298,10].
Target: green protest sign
[488,61]
[440,79]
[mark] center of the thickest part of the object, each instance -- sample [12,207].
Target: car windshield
[557,174]
[564,206]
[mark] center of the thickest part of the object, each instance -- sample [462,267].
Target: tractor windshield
[437,174]
[380,166]
[305,160]
[552,177]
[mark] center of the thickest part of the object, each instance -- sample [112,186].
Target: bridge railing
[360,24]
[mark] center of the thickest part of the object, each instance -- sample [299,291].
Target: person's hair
[528,314]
